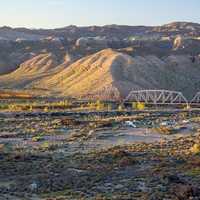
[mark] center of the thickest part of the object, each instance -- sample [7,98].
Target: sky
[61,13]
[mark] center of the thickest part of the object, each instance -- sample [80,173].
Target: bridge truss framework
[196,99]
[157,97]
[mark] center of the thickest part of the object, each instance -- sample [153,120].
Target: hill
[109,74]
[104,62]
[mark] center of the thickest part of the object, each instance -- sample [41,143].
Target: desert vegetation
[70,149]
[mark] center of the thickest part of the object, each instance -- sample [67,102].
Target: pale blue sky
[59,13]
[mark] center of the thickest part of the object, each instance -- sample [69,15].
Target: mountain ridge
[102,62]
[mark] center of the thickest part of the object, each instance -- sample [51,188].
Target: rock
[33,187]
[185,192]
[97,42]
[173,179]
[119,186]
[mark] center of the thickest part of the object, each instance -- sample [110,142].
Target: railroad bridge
[196,99]
[157,97]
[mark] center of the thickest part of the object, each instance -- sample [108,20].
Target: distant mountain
[110,31]
[101,62]
[9,34]
[180,28]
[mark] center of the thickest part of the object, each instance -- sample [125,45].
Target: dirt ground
[53,157]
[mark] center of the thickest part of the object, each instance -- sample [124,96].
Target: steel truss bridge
[196,99]
[157,97]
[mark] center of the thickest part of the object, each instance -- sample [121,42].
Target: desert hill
[101,62]
[107,74]
[31,70]
[17,45]
[38,64]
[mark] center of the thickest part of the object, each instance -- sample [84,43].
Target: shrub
[37,138]
[195,149]
[120,108]
[2,147]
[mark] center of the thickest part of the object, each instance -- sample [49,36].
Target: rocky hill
[101,62]
[107,74]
